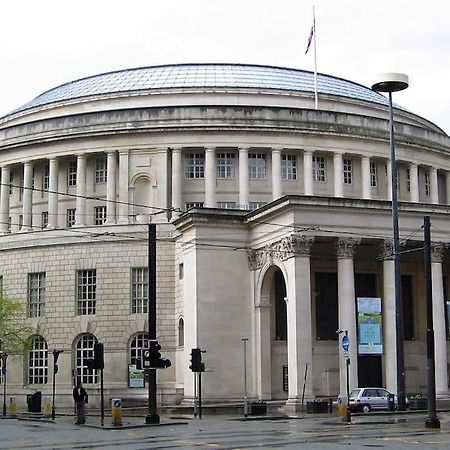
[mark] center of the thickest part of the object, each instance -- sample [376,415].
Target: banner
[370,330]
[135,377]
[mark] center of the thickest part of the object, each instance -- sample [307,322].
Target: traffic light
[196,361]
[99,361]
[152,357]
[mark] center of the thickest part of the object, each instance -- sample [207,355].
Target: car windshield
[354,393]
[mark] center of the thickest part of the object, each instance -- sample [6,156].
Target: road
[401,431]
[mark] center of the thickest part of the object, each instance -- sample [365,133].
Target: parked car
[368,398]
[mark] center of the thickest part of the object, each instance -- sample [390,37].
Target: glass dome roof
[204,76]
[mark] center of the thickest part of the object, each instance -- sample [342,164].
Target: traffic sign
[345,343]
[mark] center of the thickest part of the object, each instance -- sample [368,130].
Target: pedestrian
[80,396]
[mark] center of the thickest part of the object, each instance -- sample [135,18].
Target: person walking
[80,397]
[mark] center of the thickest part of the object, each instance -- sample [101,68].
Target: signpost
[345,342]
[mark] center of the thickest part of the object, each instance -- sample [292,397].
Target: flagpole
[316,99]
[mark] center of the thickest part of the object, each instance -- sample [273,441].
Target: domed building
[273,223]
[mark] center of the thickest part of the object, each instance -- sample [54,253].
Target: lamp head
[391,82]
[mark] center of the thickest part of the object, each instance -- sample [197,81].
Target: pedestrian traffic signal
[196,361]
[151,357]
[98,356]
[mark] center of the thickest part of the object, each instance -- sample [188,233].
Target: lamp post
[244,341]
[394,82]
[4,357]
[56,354]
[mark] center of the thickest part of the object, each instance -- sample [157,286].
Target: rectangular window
[408,307]
[408,180]
[70,217]
[226,165]
[36,294]
[194,165]
[99,215]
[44,219]
[20,221]
[256,205]
[373,175]
[11,181]
[139,290]
[86,291]
[427,184]
[72,173]
[319,170]
[190,205]
[257,166]
[46,177]
[226,205]
[326,285]
[100,170]
[288,167]
[348,171]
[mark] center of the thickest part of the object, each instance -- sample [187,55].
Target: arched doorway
[272,329]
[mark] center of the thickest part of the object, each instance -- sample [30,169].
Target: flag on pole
[309,39]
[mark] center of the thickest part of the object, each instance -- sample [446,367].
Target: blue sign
[345,343]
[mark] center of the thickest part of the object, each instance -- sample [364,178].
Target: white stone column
[263,349]
[80,214]
[389,314]
[299,333]
[277,190]
[308,172]
[447,187]
[27,196]
[389,180]
[347,312]
[4,200]
[338,175]
[124,199]
[111,168]
[53,193]
[414,180]
[177,181]
[243,178]
[210,177]
[365,175]
[434,185]
[440,338]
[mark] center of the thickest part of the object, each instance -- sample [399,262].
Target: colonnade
[296,269]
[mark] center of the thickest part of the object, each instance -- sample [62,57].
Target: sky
[45,43]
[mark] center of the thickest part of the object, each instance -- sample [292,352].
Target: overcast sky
[45,43]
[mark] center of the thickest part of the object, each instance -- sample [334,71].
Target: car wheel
[366,409]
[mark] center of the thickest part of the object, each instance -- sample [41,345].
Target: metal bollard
[116,412]
[12,406]
[47,406]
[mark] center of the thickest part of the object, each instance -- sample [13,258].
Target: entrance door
[369,371]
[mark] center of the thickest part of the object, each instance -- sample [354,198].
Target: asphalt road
[398,431]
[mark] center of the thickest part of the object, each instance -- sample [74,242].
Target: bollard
[47,406]
[116,412]
[342,406]
[12,406]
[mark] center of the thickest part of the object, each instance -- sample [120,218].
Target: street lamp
[56,354]
[244,341]
[4,357]
[394,82]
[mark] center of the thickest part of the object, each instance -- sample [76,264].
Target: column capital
[243,148]
[345,247]
[210,148]
[277,149]
[437,252]
[387,250]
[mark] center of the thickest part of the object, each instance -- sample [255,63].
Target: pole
[244,341]
[304,385]
[431,421]
[152,416]
[53,388]
[102,400]
[347,376]
[4,358]
[195,394]
[199,395]
[397,274]
[316,99]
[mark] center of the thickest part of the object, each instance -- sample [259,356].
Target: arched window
[38,361]
[181,332]
[138,342]
[84,350]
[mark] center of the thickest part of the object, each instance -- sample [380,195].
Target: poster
[370,330]
[135,377]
